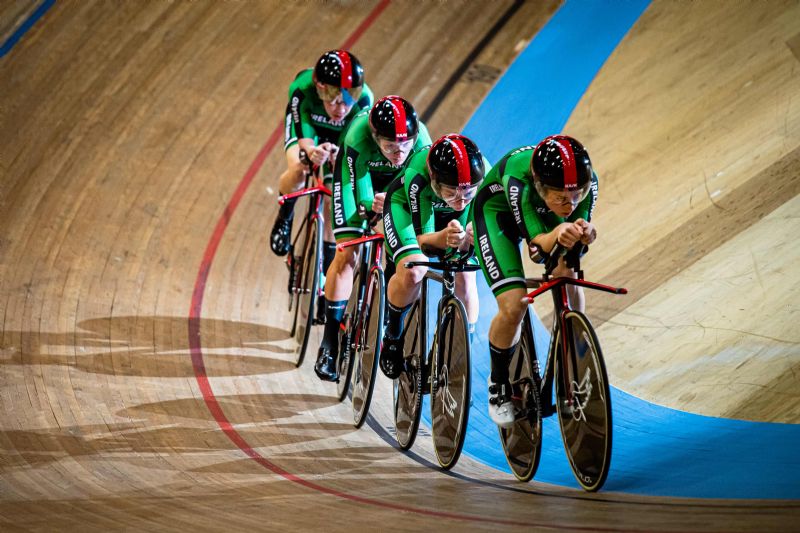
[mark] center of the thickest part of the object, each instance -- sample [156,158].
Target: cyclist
[322,102]
[544,195]
[428,211]
[375,150]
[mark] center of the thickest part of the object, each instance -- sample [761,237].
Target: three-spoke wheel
[450,386]
[522,442]
[408,388]
[583,402]
[366,351]
[307,259]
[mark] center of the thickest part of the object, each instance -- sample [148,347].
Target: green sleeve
[359,176]
[518,195]
[307,127]
[420,201]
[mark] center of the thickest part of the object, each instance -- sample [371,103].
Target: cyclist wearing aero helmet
[428,211]
[544,195]
[322,102]
[375,150]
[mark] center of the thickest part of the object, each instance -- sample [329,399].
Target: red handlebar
[305,192]
[553,283]
[360,240]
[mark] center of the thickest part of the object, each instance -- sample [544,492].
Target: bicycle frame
[317,190]
[561,304]
[369,262]
[447,277]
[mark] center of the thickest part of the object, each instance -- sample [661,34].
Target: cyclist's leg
[290,181]
[501,262]
[292,178]
[403,288]
[346,225]
[467,292]
[338,286]
[328,246]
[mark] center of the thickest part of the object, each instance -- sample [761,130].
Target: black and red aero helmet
[455,160]
[561,162]
[394,118]
[339,68]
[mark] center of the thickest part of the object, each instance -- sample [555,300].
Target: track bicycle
[304,259]
[576,370]
[362,326]
[443,370]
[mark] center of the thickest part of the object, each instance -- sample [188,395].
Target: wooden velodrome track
[144,381]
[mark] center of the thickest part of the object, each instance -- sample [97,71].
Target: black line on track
[474,53]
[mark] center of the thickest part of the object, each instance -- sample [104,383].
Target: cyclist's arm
[420,202]
[301,120]
[359,176]
[518,195]
[450,236]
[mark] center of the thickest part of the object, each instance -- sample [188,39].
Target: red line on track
[196,349]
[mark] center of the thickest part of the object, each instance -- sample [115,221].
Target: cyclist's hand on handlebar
[377,202]
[454,234]
[589,231]
[568,233]
[469,237]
[533,252]
[322,153]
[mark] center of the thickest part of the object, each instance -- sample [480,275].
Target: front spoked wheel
[408,387]
[350,324]
[522,442]
[368,345]
[450,394]
[307,287]
[583,402]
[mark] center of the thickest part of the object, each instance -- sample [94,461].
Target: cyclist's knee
[344,258]
[410,277]
[510,307]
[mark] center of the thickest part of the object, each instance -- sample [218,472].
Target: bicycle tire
[586,424]
[407,389]
[452,376]
[294,262]
[308,287]
[368,346]
[350,322]
[522,443]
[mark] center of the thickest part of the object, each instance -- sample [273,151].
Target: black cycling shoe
[280,238]
[325,367]
[392,363]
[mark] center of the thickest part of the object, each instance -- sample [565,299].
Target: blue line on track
[657,450]
[29,22]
